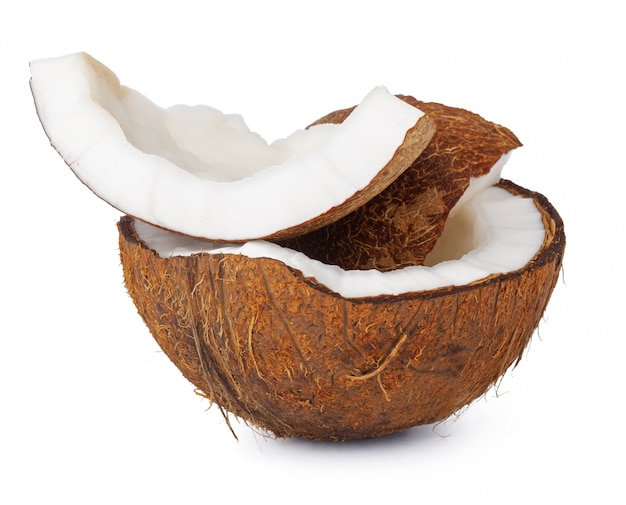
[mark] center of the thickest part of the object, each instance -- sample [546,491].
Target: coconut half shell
[285,354]
[401,225]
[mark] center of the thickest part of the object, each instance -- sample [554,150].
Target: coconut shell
[285,354]
[401,225]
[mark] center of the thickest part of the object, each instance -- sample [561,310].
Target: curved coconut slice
[282,350]
[199,172]
[401,225]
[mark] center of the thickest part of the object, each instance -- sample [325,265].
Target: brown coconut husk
[401,225]
[285,354]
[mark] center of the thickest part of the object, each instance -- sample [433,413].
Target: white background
[92,412]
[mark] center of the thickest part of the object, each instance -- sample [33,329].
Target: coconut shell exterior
[287,355]
[401,225]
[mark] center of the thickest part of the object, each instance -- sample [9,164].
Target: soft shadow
[409,439]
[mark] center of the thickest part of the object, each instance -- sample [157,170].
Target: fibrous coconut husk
[401,225]
[283,353]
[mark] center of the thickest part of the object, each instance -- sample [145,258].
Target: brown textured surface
[401,225]
[285,354]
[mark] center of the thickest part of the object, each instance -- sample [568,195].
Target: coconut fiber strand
[285,354]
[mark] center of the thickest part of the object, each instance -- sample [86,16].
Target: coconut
[203,173]
[401,225]
[354,279]
[362,353]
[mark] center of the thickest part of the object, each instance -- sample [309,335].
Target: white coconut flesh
[492,232]
[197,171]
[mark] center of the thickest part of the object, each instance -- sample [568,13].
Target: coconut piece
[197,171]
[284,352]
[401,225]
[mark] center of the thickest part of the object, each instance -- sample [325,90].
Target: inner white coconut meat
[491,232]
[198,171]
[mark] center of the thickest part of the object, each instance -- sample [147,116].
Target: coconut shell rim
[553,244]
